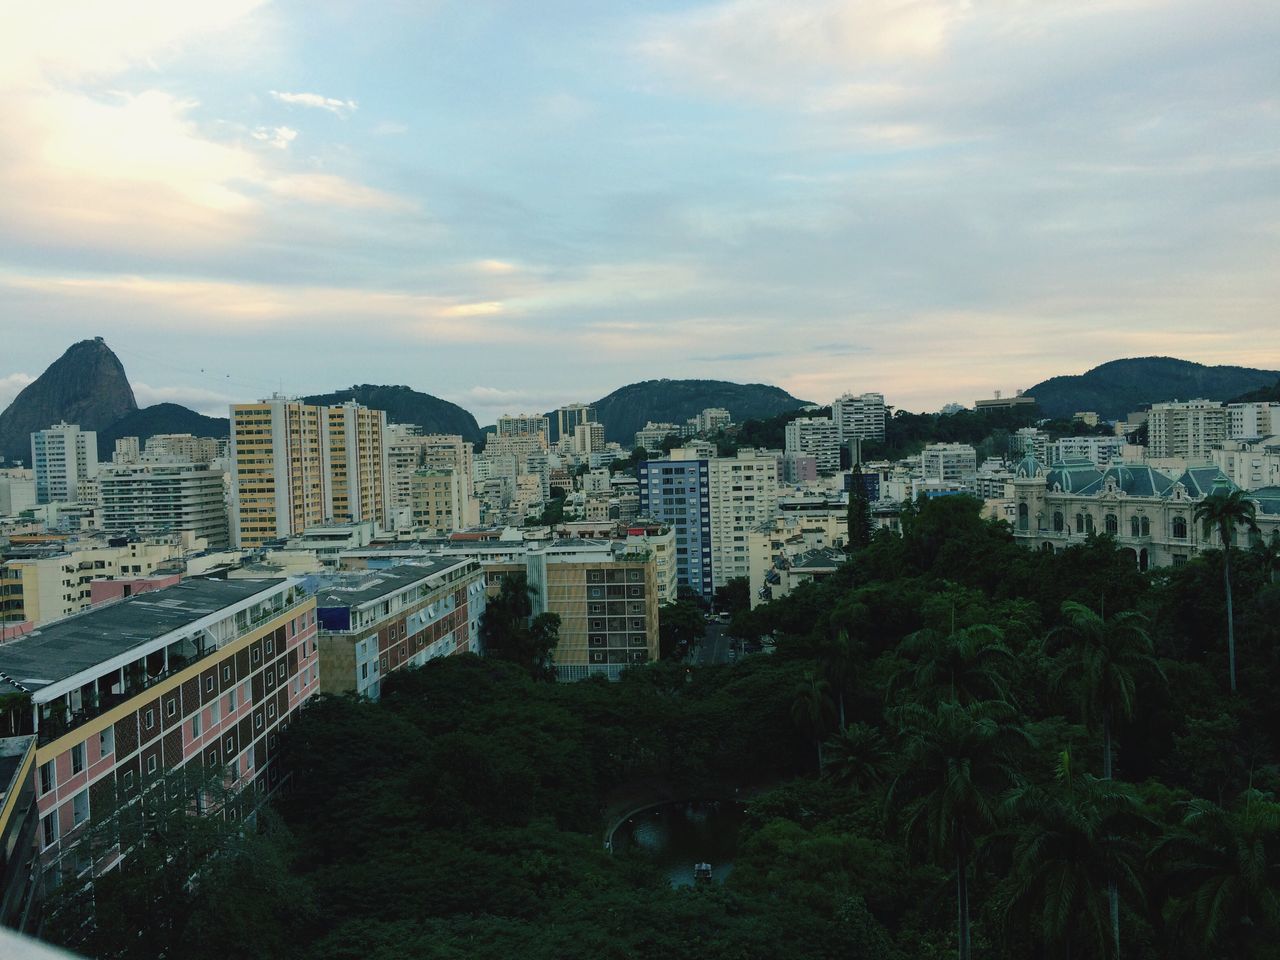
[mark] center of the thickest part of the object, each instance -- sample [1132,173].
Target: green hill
[405,405]
[629,408]
[1120,386]
[160,418]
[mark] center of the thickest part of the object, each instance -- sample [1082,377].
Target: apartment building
[676,493]
[199,676]
[151,499]
[1250,466]
[568,417]
[43,589]
[661,542]
[817,437]
[62,456]
[296,466]
[373,623]
[1031,440]
[180,446]
[127,450]
[524,424]
[438,501]
[1188,429]
[743,493]
[863,416]
[949,462]
[650,437]
[1248,421]
[588,438]
[1100,450]
[17,492]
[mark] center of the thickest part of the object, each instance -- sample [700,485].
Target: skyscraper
[570,416]
[62,456]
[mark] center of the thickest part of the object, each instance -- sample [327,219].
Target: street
[715,647]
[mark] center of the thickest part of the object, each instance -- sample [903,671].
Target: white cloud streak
[316,101]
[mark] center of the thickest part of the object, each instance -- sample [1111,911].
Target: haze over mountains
[87,385]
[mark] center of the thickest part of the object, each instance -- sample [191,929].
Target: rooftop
[67,647]
[366,586]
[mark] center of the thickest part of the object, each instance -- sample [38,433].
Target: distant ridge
[405,405]
[1121,386]
[86,385]
[629,408]
[160,418]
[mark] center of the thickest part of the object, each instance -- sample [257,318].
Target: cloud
[278,137]
[341,108]
[12,385]
[390,128]
[334,191]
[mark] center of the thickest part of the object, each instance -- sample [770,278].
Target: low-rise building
[375,622]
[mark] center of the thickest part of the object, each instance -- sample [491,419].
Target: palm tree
[813,710]
[857,757]
[957,760]
[1225,874]
[1102,660]
[964,666]
[1069,842]
[1268,554]
[840,658]
[1223,511]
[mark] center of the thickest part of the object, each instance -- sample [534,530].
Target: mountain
[404,405]
[1116,388]
[629,408]
[86,385]
[1269,394]
[161,418]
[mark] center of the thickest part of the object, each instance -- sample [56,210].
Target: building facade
[373,623]
[817,437]
[676,493]
[438,501]
[62,456]
[568,417]
[1248,421]
[949,463]
[1099,450]
[162,498]
[202,675]
[863,416]
[1189,429]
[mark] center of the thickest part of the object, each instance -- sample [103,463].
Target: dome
[1029,467]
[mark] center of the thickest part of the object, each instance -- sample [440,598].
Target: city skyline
[486,202]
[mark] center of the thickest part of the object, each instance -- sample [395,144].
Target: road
[716,647]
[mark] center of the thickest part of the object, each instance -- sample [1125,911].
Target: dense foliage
[958,747]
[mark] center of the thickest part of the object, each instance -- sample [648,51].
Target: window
[152,763]
[171,708]
[293,628]
[364,671]
[1023,516]
[271,645]
[1179,528]
[47,779]
[226,673]
[257,721]
[208,684]
[77,758]
[195,726]
[230,744]
[149,719]
[231,701]
[1146,527]
[1079,523]
[256,655]
[127,780]
[215,713]
[1088,523]
[1112,525]
[212,758]
[80,807]
[107,742]
[1058,523]
[1133,526]
[50,827]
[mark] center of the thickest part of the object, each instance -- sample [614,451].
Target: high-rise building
[181,446]
[127,451]
[1189,429]
[162,498]
[743,494]
[588,438]
[17,492]
[514,425]
[296,466]
[568,417]
[816,437]
[712,419]
[863,416]
[61,457]
[1250,421]
[949,462]
[438,501]
[1029,440]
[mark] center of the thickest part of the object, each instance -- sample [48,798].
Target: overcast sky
[517,204]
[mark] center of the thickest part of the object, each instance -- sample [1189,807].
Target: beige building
[162,498]
[295,466]
[438,501]
[50,588]
[742,493]
[180,446]
[1250,465]
[588,438]
[1189,429]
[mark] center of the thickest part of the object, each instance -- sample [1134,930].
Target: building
[1031,440]
[1150,514]
[1019,401]
[1089,418]
[181,446]
[373,623]
[127,450]
[743,494]
[588,438]
[530,424]
[651,436]
[438,501]
[17,492]
[1189,429]
[19,819]
[408,451]
[46,588]
[712,419]
[1249,421]
[949,462]
[863,416]
[1250,465]
[661,542]
[1100,450]
[150,499]
[201,676]
[568,417]
[799,468]
[296,466]
[61,457]
[817,437]
[676,493]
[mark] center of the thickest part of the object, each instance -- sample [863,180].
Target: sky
[514,205]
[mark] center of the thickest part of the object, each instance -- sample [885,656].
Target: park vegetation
[958,748]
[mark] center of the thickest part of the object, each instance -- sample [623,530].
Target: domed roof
[1029,467]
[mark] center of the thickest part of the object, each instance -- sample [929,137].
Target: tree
[839,658]
[858,517]
[1224,869]
[857,757]
[1072,840]
[957,760]
[812,710]
[1222,512]
[1267,553]
[964,666]
[680,625]
[1098,661]
[510,631]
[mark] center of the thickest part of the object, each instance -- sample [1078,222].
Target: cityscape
[740,479]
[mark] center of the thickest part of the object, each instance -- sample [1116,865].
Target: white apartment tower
[1248,421]
[949,462]
[62,456]
[742,493]
[862,416]
[1190,429]
[817,437]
